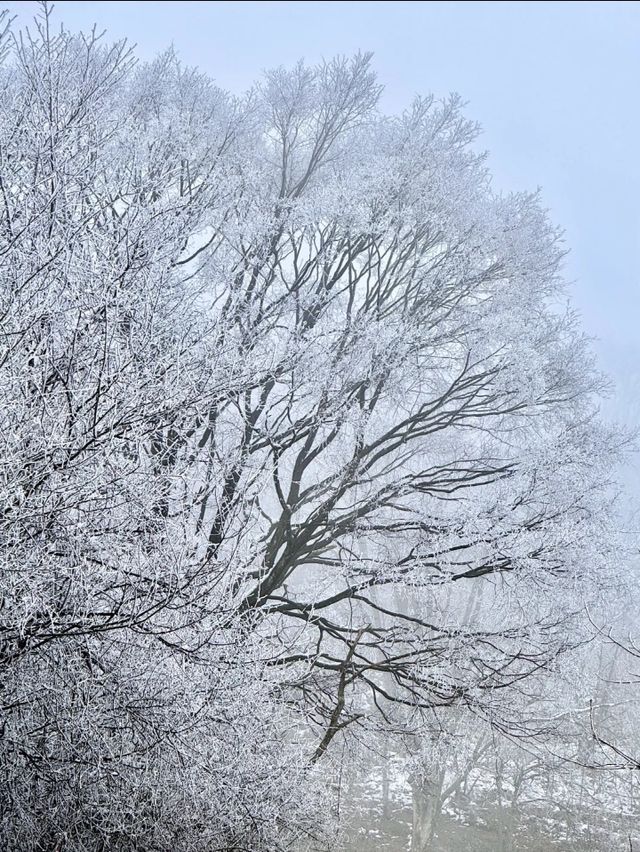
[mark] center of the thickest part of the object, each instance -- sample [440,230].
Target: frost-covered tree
[113,736]
[283,383]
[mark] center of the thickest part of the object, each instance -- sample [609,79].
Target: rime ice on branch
[282,383]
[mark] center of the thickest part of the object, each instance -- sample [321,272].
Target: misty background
[336,660]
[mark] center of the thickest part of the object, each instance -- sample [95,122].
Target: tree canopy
[300,440]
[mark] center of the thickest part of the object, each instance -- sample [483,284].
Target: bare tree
[423,411]
[282,382]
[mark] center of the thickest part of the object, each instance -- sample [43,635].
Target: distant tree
[424,411]
[281,377]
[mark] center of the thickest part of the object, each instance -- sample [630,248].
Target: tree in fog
[283,383]
[136,714]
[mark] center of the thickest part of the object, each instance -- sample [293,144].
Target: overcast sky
[554,85]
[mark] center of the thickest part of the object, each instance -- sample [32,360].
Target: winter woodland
[311,538]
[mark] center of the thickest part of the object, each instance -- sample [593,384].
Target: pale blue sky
[554,85]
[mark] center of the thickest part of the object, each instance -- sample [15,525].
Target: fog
[319,385]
